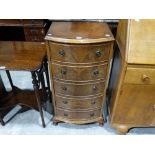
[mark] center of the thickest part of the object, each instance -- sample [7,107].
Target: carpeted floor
[30,123]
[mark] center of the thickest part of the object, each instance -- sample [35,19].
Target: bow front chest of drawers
[79,55]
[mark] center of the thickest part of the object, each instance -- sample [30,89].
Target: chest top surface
[79,32]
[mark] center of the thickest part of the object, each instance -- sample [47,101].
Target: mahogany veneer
[79,55]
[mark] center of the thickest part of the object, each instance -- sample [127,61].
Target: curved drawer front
[80,53]
[78,115]
[74,89]
[79,103]
[79,73]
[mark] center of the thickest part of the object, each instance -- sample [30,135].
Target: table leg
[2,122]
[10,79]
[44,93]
[36,89]
[47,78]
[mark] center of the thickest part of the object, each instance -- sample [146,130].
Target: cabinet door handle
[98,53]
[63,71]
[145,78]
[96,72]
[62,53]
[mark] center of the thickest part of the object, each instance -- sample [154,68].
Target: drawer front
[78,115]
[74,89]
[140,76]
[34,38]
[79,73]
[80,53]
[34,31]
[78,103]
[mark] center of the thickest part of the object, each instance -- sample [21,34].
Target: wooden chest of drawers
[132,84]
[79,55]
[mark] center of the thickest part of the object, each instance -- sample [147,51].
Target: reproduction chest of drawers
[79,55]
[132,84]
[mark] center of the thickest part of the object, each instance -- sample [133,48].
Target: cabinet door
[136,105]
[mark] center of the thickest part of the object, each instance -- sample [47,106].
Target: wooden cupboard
[132,84]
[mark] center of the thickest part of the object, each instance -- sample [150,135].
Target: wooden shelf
[19,97]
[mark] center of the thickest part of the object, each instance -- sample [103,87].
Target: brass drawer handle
[96,72]
[65,114]
[62,53]
[94,88]
[98,53]
[64,102]
[63,71]
[92,115]
[64,88]
[145,78]
[93,102]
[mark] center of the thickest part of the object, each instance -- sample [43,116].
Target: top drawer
[135,75]
[80,53]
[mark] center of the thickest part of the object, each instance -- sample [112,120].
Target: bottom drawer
[78,115]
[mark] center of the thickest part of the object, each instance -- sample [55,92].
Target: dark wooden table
[25,56]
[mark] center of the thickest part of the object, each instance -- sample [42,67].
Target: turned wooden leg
[1,121]
[101,122]
[48,84]
[47,79]
[122,130]
[43,87]
[36,89]
[10,79]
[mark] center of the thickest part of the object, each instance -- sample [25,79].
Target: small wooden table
[25,56]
